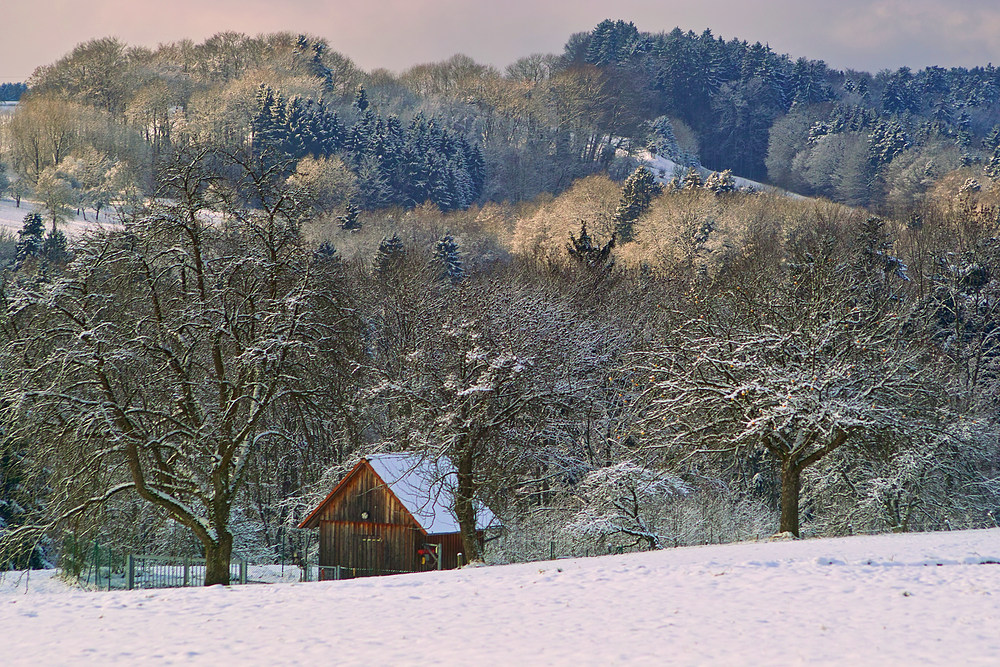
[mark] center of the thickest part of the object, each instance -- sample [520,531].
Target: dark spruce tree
[12,92]
[593,256]
[30,238]
[54,248]
[361,102]
[389,256]
[350,220]
[613,42]
[637,195]
[448,260]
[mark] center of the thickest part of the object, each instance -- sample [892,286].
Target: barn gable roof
[425,488]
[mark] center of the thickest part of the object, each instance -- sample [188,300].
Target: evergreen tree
[263,125]
[361,102]
[636,198]
[326,252]
[349,220]
[692,180]
[330,132]
[448,259]
[613,42]
[12,92]
[54,247]
[663,141]
[361,134]
[20,497]
[992,140]
[297,135]
[993,166]
[475,166]
[443,187]
[898,96]
[390,255]
[808,82]
[30,241]
[887,140]
[295,127]
[719,182]
[374,187]
[593,256]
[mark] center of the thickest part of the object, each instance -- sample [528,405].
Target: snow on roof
[426,490]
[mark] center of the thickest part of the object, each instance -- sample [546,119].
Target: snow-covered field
[882,600]
[12,218]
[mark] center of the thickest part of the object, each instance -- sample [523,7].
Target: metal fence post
[243,571]
[130,568]
[305,555]
[437,552]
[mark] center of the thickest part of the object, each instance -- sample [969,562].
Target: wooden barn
[387,516]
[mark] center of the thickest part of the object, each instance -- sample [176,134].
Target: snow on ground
[875,600]
[12,218]
[663,169]
[32,581]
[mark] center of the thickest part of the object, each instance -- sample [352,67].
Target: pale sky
[859,34]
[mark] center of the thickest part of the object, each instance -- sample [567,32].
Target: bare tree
[158,363]
[488,374]
[797,371]
[625,499]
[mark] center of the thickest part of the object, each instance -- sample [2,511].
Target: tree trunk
[465,509]
[790,482]
[217,557]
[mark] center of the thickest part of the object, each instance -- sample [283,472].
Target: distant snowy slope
[881,600]
[12,218]
[664,169]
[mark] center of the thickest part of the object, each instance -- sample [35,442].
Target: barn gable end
[391,513]
[362,497]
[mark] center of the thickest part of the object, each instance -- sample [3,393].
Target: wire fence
[165,572]
[97,567]
[93,565]
[338,572]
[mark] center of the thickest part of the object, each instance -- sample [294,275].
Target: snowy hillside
[885,600]
[12,218]
[664,169]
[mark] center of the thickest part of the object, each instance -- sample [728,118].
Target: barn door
[370,553]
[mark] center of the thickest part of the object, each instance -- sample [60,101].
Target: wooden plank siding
[451,546]
[364,493]
[381,548]
[365,529]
